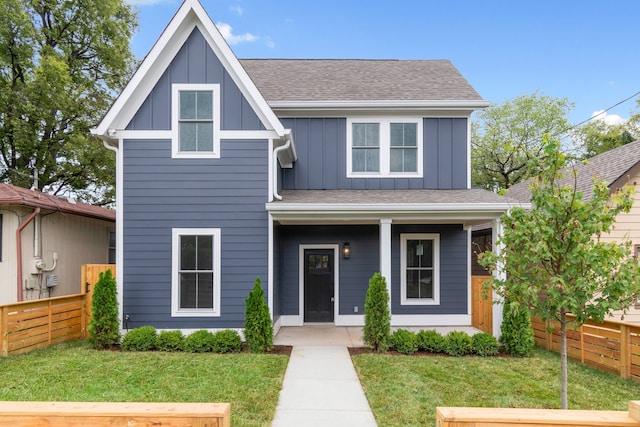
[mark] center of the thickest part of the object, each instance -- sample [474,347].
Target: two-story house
[310,174]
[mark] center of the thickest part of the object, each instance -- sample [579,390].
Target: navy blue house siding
[354,272]
[322,157]
[454,270]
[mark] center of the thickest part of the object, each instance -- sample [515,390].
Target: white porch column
[385,252]
[497,273]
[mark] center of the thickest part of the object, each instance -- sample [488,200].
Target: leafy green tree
[258,328]
[555,262]
[61,62]
[505,137]
[377,318]
[104,328]
[597,137]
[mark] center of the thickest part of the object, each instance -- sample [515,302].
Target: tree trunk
[563,360]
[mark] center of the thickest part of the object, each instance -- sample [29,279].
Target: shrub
[516,332]
[258,328]
[377,320]
[227,341]
[431,341]
[404,341]
[199,342]
[143,338]
[104,327]
[484,344]
[457,343]
[170,341]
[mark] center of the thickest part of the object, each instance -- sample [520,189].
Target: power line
[597,115]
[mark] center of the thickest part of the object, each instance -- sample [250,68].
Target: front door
[318,285]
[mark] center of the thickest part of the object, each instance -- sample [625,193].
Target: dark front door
[318,285]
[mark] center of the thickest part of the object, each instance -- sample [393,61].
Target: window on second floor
[196,120]
[384,147]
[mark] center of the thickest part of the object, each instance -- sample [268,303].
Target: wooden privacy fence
[27,325]
[63,414]
[512,417]
[481,309]
[610,346]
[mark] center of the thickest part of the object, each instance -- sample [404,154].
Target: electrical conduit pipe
[19,247]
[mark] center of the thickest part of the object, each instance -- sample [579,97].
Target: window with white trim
[420,269]
[384,147]
[196,120]
[195,284]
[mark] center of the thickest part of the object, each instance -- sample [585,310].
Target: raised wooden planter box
[130,414]
[519,417]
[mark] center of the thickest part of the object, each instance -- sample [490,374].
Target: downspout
[19,247]
[286,146]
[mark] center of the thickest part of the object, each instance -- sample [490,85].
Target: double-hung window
[195,289]
[420,269]
[384,147]
[196,120]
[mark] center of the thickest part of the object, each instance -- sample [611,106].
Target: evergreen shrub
[104,327]
[404,341]
[377,319]
[258,328]
[170,341]
[457,343]
[431,341]
[227,341]
[484,344]
[143,338]
[516,332]
[199,342]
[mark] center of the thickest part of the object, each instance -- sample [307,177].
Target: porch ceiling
[468,206]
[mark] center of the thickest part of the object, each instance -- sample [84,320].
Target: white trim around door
[336,280]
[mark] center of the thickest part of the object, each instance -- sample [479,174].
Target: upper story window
[196,120]
[384,147]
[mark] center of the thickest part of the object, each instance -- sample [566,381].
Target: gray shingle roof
[609,166]
[396,197]
[358,80]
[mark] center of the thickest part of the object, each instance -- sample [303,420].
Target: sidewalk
[321,388]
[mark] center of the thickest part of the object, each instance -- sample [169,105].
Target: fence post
[625,351]
[4,331]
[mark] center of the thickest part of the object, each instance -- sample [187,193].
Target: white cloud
[610,119]
[237,10]
[268,42]
[227,33]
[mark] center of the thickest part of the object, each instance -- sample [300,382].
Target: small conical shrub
[377,319]
[516,332]
[104,328]
[258,328]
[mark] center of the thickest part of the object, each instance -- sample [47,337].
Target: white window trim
[176,311]
[436,269]
[175,115]
[385,147]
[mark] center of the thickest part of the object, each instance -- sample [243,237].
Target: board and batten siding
[195,63]
[354,272]
[321,146]
[454,270]
[161,193]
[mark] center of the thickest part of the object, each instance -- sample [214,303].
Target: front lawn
[405,390]
[74,372]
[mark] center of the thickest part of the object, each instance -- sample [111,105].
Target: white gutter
[286,146]
[393,207]
[393,104]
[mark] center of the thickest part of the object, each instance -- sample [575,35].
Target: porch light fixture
[346,251]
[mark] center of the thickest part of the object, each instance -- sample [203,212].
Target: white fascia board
[382,104]
[190,15]
[383,207]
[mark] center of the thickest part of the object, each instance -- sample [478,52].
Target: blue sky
[587,51]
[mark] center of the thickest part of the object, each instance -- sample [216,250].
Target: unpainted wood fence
[481,308]
[610,346]
[27,325]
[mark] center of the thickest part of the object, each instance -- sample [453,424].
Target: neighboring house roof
[18,196]
[616,167]
[339,80]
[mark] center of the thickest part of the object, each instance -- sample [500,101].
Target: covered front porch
[327,244]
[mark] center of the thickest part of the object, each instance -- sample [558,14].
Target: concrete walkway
[321,386]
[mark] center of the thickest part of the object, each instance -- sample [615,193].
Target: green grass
[74,372]
[405,390]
